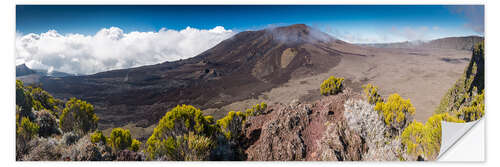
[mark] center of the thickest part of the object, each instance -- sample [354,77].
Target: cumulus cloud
[111,48]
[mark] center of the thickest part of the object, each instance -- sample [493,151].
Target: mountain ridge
[238,68]
[459,43]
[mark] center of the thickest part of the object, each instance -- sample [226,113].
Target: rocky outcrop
[127,155]
[296,131]
[467,86]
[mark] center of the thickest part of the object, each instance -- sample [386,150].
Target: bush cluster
[231,124]
[371,94]
[396,112]
[172,133]
[332,86]
[78,116]
[256,109]
[24,100]
[136,144]
[425,140]
[120,139]
[42,99]
[474,111]
[98,137]
[47,123]
[26,130]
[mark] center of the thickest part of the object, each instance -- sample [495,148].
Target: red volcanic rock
[304,132]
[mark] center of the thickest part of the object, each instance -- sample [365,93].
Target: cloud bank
[111,48]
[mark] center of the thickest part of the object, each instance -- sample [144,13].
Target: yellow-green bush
[78,116]
[425,140]
[231,124]
[136,144]
[42,99]
[256,109]
[371,94]
[433,132]
[120,139]
[332,86]
[474,111]
[174,126]
[396,112]
[413,137]
[210,119]
[24,100]
[26,130]
[188,147]
[97,137]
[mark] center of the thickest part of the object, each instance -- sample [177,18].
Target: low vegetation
[98,137]
[332,86]
[256,109]
[231,125]
[136,144]
[45,132]
[425,140]
[120,139]
[179,126]
[396,113]
[78,116]
[371,94]
[462,94]
[474,111]
[47,123]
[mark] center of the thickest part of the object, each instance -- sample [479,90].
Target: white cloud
[111,48]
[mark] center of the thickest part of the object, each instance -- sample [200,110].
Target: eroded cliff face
[297,131]
[466,87]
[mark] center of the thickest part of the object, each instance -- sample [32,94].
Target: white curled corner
[451,133]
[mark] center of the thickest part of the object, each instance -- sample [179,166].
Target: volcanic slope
[236,69]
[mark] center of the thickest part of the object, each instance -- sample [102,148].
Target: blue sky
[355,23]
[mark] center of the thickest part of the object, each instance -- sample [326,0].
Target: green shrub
[173,129]
[433,133]
[97,137]
[413,138]
[47,123]
[231,124]
[210,119]
[332,86]
[371,94]
[425,140]
[78,116]
[42,99]
[136,144]
[396,112]
[256,109]
[24,100]
[120,139]
[25,132]
[27,129]
[188,147]
[474,111]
